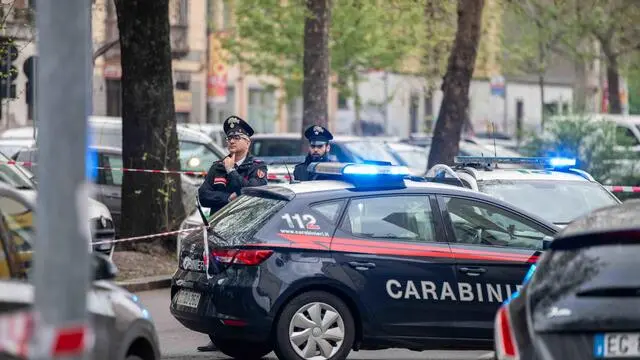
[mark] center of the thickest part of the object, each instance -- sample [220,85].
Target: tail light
[504,340]
[241,256]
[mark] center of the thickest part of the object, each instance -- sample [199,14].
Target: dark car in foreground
[582,300]
[367,260]
[122,325]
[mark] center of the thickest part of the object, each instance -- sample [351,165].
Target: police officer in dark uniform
[319,148]
[228,176]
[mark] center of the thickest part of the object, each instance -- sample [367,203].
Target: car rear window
[237,223]
[276,147]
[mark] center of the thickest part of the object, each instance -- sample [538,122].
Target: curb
[146,283]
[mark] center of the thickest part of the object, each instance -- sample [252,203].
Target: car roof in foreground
[606,222]
[526,174]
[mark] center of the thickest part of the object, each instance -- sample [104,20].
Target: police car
[549,187]
[367,260]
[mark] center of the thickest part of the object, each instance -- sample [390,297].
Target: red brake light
[241,256]
[504,340]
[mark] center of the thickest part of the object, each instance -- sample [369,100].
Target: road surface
[178,343]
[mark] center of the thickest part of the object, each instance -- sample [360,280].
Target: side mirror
[103,267]
[546,244]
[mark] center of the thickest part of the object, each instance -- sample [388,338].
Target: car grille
[102,233]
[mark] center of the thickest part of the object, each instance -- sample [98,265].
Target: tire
[240,349]
[339,334]
[133,357]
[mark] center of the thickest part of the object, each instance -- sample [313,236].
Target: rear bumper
[228,307]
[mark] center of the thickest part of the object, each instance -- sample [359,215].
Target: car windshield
[369,150]
[196,156]
[16,176]
[417,158]
[557,201]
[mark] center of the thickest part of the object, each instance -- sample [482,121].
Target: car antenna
[289,173]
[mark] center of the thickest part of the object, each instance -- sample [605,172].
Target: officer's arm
[257,176]
[212,195]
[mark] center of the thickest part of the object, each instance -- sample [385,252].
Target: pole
[8,80]
[62,270]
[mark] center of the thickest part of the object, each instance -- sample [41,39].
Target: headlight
[193,162]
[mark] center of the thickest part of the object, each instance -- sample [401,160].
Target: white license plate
[617,345]
[188,298]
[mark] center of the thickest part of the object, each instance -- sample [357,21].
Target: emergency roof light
[362,175]
[553,162]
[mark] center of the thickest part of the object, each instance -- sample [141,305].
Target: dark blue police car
[369,260]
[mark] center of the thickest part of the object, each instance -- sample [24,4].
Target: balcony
[179,41]
[179,22]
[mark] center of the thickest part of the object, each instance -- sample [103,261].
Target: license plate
[188,298]
[617,345]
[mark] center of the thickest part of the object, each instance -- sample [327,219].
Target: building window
[182,117]
[261,109]
[294,112]
[114,97]
[218,112]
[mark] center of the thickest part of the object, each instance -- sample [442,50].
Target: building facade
[188,22]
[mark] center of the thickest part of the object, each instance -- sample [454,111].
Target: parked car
[197,150]
[214,131]
[580,301]
[23,180]
[125,329]
[109,181]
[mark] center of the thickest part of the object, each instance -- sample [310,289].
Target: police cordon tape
[24,335]
[146,237]
[612,188]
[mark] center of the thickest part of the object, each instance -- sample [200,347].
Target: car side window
[329,209]
[479,223]
[113,177]
[626,137]
[404,218]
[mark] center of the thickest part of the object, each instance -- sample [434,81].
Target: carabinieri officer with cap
[319,148]
[239,169]
[228,176]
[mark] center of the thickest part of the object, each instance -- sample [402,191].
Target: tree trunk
[456,82]
[151,203]
[357,107]
[315,87]
[613,84]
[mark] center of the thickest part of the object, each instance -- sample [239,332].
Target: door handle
[362,265]
[473,271]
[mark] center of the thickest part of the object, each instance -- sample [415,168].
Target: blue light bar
[363,175]
[555,162]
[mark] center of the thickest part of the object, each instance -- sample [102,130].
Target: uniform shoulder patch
[261,174]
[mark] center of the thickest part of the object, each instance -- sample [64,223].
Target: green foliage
[597,147]
[365,34]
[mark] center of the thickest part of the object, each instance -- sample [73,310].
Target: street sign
[497,84]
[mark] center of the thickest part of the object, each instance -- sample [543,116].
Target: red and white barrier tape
[145,237]
[623,189]
[19,336]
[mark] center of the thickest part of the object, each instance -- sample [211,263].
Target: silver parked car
[123,327]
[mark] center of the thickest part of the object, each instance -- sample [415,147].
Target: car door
[393,249]
[111,184]
[494,248]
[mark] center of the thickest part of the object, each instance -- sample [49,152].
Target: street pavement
[179,343]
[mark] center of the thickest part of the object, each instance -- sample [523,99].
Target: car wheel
[315,325]
[241,350]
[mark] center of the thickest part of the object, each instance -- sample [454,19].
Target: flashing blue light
[562,162]
[366,169]
[91,161]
